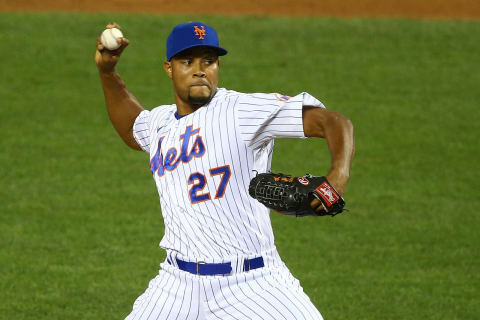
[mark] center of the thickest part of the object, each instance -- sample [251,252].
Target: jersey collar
[219,92]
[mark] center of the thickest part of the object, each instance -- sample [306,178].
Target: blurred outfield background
[79,214]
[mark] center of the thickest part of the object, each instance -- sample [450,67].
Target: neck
[187,107]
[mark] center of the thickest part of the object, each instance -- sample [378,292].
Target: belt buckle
[198,263]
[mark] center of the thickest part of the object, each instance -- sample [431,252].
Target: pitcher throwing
[221,262]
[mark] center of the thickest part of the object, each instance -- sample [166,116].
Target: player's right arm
[122,107]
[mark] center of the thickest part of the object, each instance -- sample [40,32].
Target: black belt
[211,269]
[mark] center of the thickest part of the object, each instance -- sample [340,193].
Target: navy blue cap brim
[220,51]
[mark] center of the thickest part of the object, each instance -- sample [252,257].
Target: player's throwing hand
[105,59]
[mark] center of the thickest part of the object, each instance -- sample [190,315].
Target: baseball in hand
[109,38]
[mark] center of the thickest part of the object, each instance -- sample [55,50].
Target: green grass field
[79,215]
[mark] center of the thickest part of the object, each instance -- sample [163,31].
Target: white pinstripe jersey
[202,164]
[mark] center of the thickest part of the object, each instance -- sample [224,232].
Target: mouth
[199,84]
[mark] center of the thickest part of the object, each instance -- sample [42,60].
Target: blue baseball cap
[192,34]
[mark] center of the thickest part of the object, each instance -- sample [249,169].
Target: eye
[187,62]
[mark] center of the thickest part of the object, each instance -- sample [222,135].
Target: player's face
[195,75]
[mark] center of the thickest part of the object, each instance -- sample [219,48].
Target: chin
[198,99]
[200,96]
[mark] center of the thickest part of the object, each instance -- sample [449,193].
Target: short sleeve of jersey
[141,130]
[262,117]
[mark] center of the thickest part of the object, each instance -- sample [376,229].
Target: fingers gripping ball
[292,195]
[109,38]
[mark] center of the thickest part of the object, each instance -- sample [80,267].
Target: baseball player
[221,261]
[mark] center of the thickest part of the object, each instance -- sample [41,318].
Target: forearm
[338,131]
[341,143]
[122,107]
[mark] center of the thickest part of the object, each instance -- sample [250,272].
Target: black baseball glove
[292,195]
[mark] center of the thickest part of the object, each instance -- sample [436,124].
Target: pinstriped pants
[269,293]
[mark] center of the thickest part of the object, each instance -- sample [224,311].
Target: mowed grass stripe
[80,220]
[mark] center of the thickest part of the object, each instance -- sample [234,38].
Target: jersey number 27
[198,182]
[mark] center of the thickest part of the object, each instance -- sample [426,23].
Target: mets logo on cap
[192,34]
[200,32]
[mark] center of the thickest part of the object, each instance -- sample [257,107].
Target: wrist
[338,179]
[106,72]
[339,173]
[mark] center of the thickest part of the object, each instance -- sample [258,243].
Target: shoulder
[282,100]
[225,94]
[162,112]
[241,97]
[223,99]
[164,109]
[267,100]
[155,118]
[262,101]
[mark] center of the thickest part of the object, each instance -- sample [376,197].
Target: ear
[167,66]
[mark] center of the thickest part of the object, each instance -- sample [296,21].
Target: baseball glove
[292,195]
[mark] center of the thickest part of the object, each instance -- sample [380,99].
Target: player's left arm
[338,131]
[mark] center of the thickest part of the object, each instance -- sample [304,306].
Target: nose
[199,70]
[200,73]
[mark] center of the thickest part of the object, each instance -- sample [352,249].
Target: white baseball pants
[268,293]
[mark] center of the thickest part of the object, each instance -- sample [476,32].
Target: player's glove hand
[292,195]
